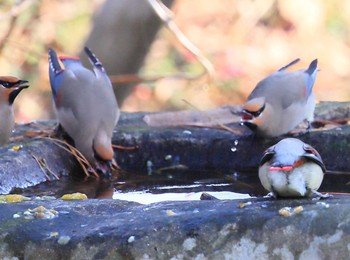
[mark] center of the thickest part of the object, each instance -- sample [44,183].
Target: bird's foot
[304,128]
[114,165]
[270,195]
[103,170]
[318,195]
[309,126]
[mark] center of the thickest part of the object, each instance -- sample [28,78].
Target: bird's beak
[246,116]
[250,125]
[21,84]
[16,89]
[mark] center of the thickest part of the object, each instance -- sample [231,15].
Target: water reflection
[171,185]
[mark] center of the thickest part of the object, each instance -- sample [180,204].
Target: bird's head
[290,153]
[10,87]
[104,156]
[252,112]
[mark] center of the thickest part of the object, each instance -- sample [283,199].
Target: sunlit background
[244,40]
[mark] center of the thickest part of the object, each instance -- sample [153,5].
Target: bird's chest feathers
[7,118]
[288,179]
[6,112]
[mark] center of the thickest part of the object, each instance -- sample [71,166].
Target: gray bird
[281,101]
[85,106]
[291,168]
[10,87]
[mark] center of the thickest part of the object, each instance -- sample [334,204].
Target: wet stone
[204,229]
[108,229]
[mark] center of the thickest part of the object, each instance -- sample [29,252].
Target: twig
[76,153]
[13,15]
[123,147]
[8,33]
[43,161]
[43,165]
[84,163]
[18,7]
[166,16]
[211,118]
[40,166]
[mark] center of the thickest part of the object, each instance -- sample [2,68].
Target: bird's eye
[310,150]
[5,84]
[255,113]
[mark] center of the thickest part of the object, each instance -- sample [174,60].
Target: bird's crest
[12,82]
[9,79]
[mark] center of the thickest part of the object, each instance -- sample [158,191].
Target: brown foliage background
[244,40]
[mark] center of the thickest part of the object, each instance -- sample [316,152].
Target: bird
[85,105]
[10,87]
[281,101]
[291,168]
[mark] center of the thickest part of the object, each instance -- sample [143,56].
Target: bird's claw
[270,195]
[319,195]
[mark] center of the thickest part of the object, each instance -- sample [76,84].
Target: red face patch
[281,168]
[63,57]
[287,168]
[246,116]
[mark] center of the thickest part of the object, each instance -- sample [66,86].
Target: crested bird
[291,168]
[281,101]
[10,87]
[85,106]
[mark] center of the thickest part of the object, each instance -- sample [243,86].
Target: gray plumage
[281,101]
[85,104]
[291,168]
[10,87]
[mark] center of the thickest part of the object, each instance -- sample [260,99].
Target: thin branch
[119,147]
[166,16]
[8,32]
[40,166]
[84,163]
[43,166]
[212,119]
[13,15]
[17,8]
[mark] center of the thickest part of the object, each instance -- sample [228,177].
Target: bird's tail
[312,67]
[93,59]
[310,81]
[289,64]
[55,70]
[54,65]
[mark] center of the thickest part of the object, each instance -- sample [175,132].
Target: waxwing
[281,101]
[85,106]
[10,87]
[291,168]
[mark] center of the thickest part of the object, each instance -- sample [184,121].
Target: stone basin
[187,148]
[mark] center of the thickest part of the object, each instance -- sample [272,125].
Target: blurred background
[244,41]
